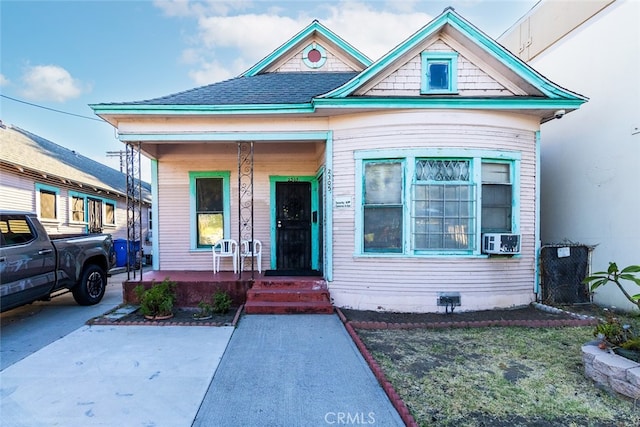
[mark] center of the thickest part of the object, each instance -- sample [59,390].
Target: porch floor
[260,295]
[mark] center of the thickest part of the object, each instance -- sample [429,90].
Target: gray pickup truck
[34,265]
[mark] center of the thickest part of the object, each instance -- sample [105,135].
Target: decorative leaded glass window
[443,205]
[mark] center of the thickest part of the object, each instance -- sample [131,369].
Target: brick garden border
[104,320]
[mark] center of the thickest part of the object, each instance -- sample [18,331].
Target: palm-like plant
[615,275]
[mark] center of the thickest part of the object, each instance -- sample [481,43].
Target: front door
[293,225]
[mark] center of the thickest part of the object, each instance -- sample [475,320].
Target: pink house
[406,184]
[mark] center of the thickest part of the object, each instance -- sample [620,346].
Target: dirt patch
[528,313]
[181,317]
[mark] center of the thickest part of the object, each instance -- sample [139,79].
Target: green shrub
[158,300]
[221,302]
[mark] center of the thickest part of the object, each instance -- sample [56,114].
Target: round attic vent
[314,56]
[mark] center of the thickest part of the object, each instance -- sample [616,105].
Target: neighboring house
[590,165]
[382,176]
[70,193]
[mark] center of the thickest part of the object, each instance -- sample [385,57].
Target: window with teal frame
[210,207]
[423,202]
[439,72]
[383,222]
[47,202]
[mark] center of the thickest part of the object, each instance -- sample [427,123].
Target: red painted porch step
[289,297]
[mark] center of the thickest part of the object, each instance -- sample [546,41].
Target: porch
[261,294]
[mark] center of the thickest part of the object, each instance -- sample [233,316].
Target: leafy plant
[612,331]
[158,300]
[221,302]
[614,275]
[206,310]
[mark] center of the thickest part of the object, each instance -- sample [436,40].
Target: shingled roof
[29,151]
[268,88]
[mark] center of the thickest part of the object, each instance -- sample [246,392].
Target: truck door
[27,262]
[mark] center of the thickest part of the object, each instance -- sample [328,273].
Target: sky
[58,57]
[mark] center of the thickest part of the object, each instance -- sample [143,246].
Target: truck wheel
[92,286]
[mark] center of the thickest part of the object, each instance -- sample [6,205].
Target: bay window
[416,203]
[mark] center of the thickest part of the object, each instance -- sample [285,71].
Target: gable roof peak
[315,28]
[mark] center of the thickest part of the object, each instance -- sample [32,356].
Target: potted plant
[220,304]
[205,312]
[156,303]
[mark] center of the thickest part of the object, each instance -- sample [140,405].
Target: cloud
[249,37]
[50,83]
[3,80]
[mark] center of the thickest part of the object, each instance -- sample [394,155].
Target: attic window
[314,56]
[439,72]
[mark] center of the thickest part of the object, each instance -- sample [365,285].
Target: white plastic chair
[225,248]
[251,249]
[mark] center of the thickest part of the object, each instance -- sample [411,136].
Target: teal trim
[328,208]
[155,245]
[225,136]
[308,62]
[450,17]
[436,152]
[226,182]
[431,102]
[48,189]
[448,58]
[408,157]
[273,179]
[85,197]
[451,102]
[538,243]
[200,109]
[317,28]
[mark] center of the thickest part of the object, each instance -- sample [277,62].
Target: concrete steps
[289,297]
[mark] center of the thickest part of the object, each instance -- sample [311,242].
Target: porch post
[134,207]
[245,197]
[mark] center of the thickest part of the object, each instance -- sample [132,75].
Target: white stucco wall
[590,164]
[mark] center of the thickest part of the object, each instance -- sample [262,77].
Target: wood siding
[406,80]
[18,192]
[413,283]
[173,213]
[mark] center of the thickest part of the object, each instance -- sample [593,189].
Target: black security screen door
[293,225]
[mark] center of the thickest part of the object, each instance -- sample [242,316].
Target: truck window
[15,231]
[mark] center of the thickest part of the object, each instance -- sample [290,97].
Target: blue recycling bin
[120,246]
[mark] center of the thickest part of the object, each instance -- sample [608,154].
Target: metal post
[134,207]
[245,197]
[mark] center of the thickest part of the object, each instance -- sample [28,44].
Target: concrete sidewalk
[301,370]
[114,376]
[294,370]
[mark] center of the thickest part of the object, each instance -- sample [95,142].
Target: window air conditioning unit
[500,243]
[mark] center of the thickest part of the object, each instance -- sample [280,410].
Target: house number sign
[342,202]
